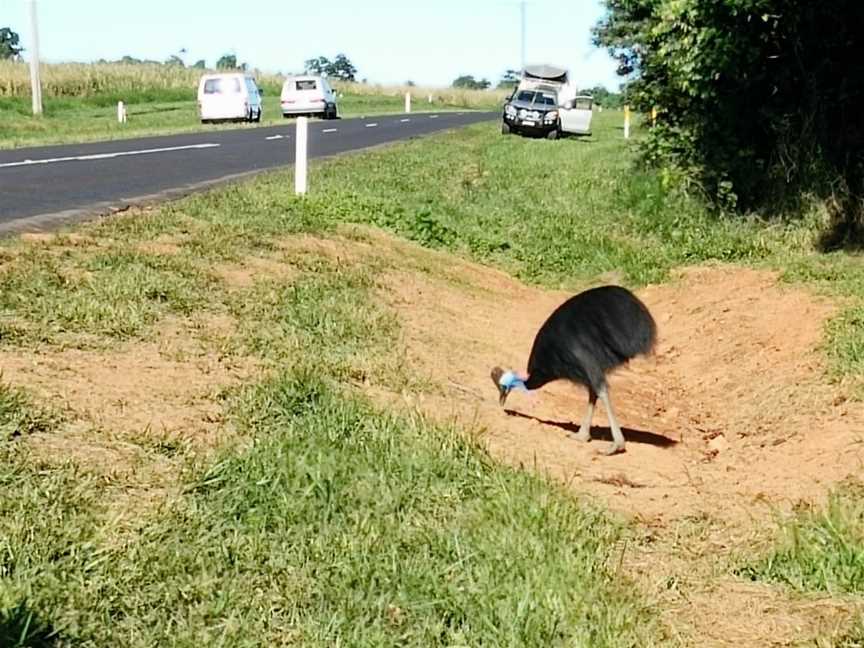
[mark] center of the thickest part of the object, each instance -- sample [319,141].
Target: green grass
[820,549]
[20,416]
[333,521]
[338,523]
[86,291]
[555,213]
[342,525]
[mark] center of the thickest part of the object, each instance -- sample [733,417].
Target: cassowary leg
[584,433]
[617,436]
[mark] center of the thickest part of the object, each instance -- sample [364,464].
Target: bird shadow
[603,433]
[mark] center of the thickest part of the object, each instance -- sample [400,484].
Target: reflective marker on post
[300,156]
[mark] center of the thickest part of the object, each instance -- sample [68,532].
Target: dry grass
[86,79]
[447,96]
[90,79]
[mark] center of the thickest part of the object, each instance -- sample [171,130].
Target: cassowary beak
[497,372]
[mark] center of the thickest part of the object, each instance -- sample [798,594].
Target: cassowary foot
[583,435]
[613,448]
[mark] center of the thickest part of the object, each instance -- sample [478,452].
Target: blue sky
[429,42]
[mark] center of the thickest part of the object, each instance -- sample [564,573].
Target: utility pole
[35,82]
[522,7]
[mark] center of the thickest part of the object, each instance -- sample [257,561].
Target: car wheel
[553,134]
[505,128]
[258,116]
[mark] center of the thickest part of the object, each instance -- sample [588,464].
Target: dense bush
[759,100]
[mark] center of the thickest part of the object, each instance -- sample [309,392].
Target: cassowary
[587,336]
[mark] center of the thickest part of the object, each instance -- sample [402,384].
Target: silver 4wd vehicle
[532,112]
[546,104]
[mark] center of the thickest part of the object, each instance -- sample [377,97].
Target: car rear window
[309,84]
[221,86]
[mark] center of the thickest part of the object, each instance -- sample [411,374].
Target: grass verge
[337,521]
[820,549]
[330,522]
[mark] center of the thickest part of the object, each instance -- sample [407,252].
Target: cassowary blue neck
[510,381]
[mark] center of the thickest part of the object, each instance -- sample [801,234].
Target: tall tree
[509,79]
[9,48]
[320,65]
[759,100]
[342,69]
[227,62]
[468,82]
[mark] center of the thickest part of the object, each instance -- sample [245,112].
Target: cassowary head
[505,381]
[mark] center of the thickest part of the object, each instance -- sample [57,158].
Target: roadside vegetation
[756,101]
[312,514]
[80,101]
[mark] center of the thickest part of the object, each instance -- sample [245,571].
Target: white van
[229,96]
[308,95]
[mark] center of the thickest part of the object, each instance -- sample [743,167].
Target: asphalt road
[43,186]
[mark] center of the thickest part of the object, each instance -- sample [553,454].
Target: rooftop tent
[545,72]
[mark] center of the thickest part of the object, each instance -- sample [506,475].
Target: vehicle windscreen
[221,86]
[308,84]
[536,98]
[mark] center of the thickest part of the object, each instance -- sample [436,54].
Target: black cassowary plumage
[587,336]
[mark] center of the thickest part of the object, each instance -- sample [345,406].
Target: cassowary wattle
[506,381]
[585,338]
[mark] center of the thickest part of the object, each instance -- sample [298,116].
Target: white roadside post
[121,112]
[407,102]
[430,98]
[300,156]
[626,122]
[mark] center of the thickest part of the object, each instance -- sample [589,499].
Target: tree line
[759,101]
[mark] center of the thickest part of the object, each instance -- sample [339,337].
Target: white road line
[107,156]
[330,130]
[372,125]
[433,116]
[273,137]
[404,120]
